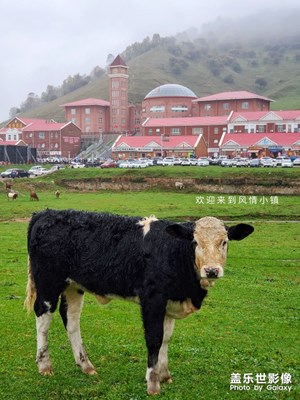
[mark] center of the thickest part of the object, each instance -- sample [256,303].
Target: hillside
[207,64]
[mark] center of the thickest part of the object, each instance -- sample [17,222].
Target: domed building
[167,101]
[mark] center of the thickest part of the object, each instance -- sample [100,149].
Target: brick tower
[118,95]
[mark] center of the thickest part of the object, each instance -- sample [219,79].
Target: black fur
[109,254]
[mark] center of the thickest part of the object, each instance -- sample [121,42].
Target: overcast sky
[43,42]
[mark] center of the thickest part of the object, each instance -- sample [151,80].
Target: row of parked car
[36,170]
[283,161]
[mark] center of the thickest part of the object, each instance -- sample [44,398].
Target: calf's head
[209,238]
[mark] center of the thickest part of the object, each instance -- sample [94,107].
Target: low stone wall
[226,186]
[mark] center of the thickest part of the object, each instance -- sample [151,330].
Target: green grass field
[249,323]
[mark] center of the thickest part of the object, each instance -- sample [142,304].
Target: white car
[185,162]
[296,162]
[77,165]
[168,161]
[278,161]
[287,163]
[267,162]
[193,161]
[35,170]
[242,162]
[203,162]
[226,162]
[139,164]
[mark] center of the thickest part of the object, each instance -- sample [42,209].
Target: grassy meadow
[249,323]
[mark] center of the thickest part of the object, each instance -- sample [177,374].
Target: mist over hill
[259,53]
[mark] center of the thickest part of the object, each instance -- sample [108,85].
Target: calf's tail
[30,290]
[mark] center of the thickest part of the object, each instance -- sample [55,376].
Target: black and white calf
[165,267]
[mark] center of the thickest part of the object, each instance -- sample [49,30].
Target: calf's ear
[179,232]
[239,232]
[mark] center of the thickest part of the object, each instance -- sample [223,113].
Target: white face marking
[146,222]
[211,240]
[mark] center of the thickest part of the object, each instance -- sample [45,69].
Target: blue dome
[171,90]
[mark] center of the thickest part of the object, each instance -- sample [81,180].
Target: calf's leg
[153,319]
[42,356]
[70,310]
[164,373]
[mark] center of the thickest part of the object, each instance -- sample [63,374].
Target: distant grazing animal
[8,185]
[57,194]
[165,267]
[12,195]
[179,185]
[33,196]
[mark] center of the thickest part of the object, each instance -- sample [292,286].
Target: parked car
[20,173]
[77,165]
[185,162]
[109,164]
[159,161]
[226,162]
[168,161]
[7,173]
[267,162]
[193,161]
[34,170]
[203,162]
[15,173]
[140,164]
[92,164]
[254,163]
[278,160]
[177,161]
[127,164]
[296,162]
[287,163]
[242,162]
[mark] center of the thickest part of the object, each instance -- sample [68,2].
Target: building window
[157,130]
[88,129]
[150,130]
[226,106]
[115,111]
[280,128]
[73,120]
[207,106]
[260,128]
[179,108]
[87,120]
[87,110]
[41,135]
[115,84]
[137,121]
[115,102]
[73,111]
[216,131]
[157,109]
[175,131]
[197,131]
[216,141]
[245,105]
[100,121]
[115,93]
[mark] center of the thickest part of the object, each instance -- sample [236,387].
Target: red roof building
[212,129]
[226,102]
[51,139]
[260,144]
[91,115]
[262,122]
[159,146]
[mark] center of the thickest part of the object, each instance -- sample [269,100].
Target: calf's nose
[212,272]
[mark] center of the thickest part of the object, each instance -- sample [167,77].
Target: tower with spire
[118,95]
